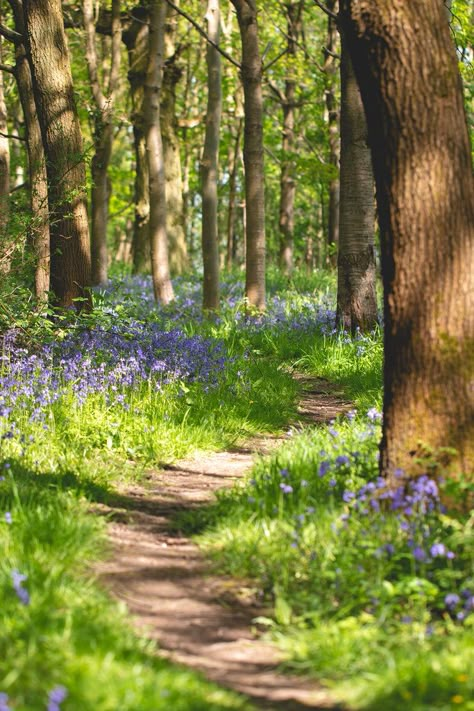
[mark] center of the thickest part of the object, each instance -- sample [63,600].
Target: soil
[200,619]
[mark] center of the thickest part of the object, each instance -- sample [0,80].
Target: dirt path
[199,619]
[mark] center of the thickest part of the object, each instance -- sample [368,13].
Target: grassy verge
[83,405]
[372,591]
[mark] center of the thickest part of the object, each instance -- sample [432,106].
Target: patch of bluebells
[411,514]
[104,361]
[18,579]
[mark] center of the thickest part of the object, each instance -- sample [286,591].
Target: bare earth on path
[199,619]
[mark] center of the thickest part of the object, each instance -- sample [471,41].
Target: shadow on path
[199,619]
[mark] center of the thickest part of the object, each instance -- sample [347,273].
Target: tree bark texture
[330,78]
[210,163]
[425,191]
[251,71]
[356,278]
[62,141]
[171,150]
[104,104]
[39,226]
[6,247]
[162,286]
[137,39]
[286,220]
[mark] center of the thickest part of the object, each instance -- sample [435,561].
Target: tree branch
[275,60]
[203,34]
[12,135]
[10,35]
[325,9]
[7,68]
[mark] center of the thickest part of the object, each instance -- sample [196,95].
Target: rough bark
[52,85]
[251,71]
[104,104]
[330,68]
[162,287]
[39,226]
[171,150]
[356,282]
[425,192]
[136,39]
[210,163]
[6,247]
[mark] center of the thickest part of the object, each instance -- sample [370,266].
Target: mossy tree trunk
[425,191]
[62,141]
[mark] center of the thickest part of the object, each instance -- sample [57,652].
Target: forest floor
[200,619]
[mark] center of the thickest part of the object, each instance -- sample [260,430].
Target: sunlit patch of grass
[59,629]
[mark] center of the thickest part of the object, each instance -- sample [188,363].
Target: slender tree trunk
[356,294]
[234,159]
[103,135]
[210,162]
[62,141]
[162,286]
[425,191]
[171,150]
[137,39]
[6,246]
[253,153]
[39,226]
[330,71]
[287,177]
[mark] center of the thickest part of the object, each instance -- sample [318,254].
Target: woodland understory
[202,208]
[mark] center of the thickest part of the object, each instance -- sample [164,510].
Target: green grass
[372,626]
[71,634]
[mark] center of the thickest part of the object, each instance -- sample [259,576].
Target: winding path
[199,619]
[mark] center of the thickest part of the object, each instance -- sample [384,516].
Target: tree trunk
[425,192]
[253,153]
[234,159]
[39,226]
[62,141]
[6,246]
[162,287]
[209,163]
[137,40]
[330,71]
[103,135]
[287,178]
[171,150]
[356,294]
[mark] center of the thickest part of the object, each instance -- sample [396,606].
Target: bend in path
[200,619]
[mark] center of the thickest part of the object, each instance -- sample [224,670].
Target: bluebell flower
[8,517]
[286,488]
[4,702]
[451,600]
[56,697]
[324,467]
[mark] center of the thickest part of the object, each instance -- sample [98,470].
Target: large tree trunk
[162,287]
[137,40]
[253,153]
[171,150]
[356,294]
[425,192]
[103,135]
[330,72]
[287,178]
[209,163]
[6,246]
[39,226]
[62,141]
